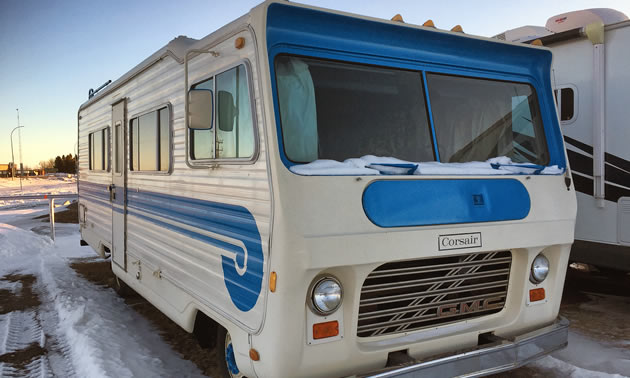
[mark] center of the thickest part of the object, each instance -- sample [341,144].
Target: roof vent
[581,18]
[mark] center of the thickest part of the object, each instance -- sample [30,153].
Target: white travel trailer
[590,78]
[327,194]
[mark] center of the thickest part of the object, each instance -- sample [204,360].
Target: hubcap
[230,360]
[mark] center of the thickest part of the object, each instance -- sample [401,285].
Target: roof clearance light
[398,18]
[429,24]
[536,42]
[457,29]
[239,43]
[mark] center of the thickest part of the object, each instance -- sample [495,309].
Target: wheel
[121,287]
[225,355]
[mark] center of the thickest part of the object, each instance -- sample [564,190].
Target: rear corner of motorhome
[337,195]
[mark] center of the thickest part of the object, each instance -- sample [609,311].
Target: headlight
[540,269]
[326,295]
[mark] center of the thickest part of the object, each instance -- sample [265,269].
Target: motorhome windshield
[334,110]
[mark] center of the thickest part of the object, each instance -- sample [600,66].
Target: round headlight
[326,295]
[540,269]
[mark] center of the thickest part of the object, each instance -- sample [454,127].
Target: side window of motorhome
[233,137]
[478,119]
[565,100]
[149,141]
[99,150]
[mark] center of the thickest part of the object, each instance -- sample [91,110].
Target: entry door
[117,192]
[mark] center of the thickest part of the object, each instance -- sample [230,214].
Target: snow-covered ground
[76,328]
[34,185]
[83,330]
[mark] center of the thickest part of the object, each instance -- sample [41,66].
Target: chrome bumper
[505,354]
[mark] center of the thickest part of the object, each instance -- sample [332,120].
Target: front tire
[225,355]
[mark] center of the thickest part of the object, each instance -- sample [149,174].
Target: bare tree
[45,164]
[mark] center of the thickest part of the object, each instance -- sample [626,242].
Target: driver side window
[234,136]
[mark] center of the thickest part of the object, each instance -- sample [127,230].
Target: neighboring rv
[591,79]
[325,194]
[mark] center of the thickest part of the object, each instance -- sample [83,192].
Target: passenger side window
[233,137]
[565,101]
[149,141]
[99,150]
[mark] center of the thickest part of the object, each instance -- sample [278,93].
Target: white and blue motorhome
[326,194]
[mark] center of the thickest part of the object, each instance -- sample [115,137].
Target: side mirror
[200,109]
[227,111]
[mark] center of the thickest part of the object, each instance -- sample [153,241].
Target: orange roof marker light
[239,43]
[537,42]
[429,24]
[457,29]
[398,18]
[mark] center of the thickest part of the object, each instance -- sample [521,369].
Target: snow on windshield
[374,165]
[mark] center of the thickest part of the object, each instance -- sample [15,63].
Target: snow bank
[104,336]
[374,165]
[579,359]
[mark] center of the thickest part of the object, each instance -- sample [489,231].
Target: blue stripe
[430,112]
[231,221]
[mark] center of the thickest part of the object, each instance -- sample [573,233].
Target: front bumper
[502,355]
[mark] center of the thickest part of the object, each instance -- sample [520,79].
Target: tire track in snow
[23,330]
[30,343]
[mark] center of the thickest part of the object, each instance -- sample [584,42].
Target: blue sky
[53,51]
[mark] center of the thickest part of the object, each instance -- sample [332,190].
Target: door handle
[112,192]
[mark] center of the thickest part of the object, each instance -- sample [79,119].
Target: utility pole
[12,156]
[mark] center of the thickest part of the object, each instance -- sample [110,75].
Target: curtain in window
[296,95]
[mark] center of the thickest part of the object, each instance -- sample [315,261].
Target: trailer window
[565,101]
[478,119]
[233,137]
[334,110]
[99,150]
[149,141]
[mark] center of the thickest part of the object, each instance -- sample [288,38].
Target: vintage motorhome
[590,77]
[327,194]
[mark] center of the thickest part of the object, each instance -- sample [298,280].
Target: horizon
[54,52]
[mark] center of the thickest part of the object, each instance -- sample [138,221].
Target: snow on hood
[375,165]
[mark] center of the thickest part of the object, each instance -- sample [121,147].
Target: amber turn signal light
[324,330]
[253,354]
[273,278]
[536,295]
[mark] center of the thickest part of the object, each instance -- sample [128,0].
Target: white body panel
[186,264]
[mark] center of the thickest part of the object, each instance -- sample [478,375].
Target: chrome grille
[411,295]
